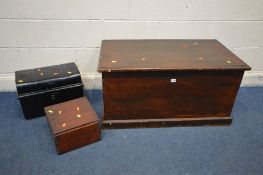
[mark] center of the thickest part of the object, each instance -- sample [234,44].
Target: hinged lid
[70,115]
[167,55]
[32,80]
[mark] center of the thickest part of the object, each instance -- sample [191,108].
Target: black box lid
[38,79]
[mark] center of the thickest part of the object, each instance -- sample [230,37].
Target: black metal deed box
[40,87]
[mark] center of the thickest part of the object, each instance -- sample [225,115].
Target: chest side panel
[77,137]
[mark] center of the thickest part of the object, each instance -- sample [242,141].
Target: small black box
[40,87]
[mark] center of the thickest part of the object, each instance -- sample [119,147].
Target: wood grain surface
[152,95]
[168,81]
[73,124]
[167,55]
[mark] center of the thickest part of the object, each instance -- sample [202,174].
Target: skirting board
[93,80]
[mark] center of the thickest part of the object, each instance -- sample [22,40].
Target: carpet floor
[26,146]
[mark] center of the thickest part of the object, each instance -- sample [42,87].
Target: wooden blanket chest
[155,83]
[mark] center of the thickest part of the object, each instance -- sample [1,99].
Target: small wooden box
[73,124]
[45,86]
[155,83]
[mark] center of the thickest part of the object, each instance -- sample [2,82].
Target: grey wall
[39,33]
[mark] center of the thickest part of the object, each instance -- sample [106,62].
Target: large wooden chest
[40,87]
[155,83]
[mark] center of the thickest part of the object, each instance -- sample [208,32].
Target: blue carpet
[26,146]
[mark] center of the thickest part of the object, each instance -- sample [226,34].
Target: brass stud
[38,70]
[69,72]
[229,62]
[143,59]
[195,43]
[41,73]
[113,61]
[200,58]
[50,111]
[78,115]
[60,112]
[77,108]
[20,81]
[64,125]
[55,73]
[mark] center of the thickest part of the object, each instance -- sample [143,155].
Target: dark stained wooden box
[155,83]
[73,124]
[45,86]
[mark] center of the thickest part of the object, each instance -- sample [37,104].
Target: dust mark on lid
[50,111]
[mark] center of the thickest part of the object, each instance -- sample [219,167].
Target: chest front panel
[149,95]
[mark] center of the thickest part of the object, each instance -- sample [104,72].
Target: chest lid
[70,115]
[32,80]
[167,55]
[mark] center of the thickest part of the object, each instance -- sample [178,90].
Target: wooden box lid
[167,55]
[70,115]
